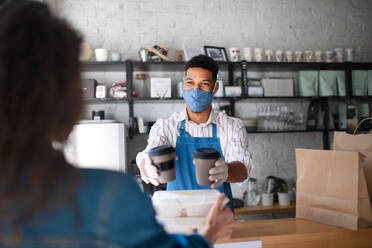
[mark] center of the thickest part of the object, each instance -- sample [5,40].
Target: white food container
[233,91]
[185,203]
[185,225]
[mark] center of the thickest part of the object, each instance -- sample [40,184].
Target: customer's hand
[219,173]
[149,173]
[220,223]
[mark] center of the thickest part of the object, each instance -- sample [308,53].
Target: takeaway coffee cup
[204,159]
[163,158]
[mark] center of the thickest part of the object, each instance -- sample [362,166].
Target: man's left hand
[219,173]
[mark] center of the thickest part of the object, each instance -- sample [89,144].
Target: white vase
[284,199]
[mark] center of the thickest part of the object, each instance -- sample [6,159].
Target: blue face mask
[197,100]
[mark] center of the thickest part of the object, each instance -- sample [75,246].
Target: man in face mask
[198,126]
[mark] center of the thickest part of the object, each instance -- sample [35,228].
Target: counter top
[299,233]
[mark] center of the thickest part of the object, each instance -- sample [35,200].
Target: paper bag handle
[360,123]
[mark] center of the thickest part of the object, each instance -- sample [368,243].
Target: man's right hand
[149,173]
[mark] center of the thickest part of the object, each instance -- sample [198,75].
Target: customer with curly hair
[45,201]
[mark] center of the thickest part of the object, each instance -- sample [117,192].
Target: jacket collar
[212,118]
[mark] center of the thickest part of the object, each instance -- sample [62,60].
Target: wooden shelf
[106,100]
[226,98]
[259,209]
[103,63]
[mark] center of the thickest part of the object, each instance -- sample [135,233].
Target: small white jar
[299,56]
[267,199]
[248,54]
[258,54]
[289,56]
[269,55]
[278,55]
[318,56]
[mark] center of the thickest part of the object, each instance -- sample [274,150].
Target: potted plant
[284,196]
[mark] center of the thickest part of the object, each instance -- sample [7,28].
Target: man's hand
[219,173]
[149,173]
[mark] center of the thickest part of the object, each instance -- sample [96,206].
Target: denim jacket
[112,212]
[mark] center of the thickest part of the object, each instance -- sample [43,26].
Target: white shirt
[231,131]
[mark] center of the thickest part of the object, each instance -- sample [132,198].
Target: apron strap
[182,130]
[214,130]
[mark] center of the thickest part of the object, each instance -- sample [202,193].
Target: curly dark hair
[205,62]
[40,100]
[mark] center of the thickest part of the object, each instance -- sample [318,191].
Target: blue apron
[185,170]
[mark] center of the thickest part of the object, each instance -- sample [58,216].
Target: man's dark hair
[205,62]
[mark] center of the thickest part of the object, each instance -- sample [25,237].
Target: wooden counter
[295,232]
[259,209]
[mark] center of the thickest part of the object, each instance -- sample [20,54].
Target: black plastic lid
[206,153]
[161,150]
[252,179]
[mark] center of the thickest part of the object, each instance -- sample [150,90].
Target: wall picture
[191,52]
[217,53]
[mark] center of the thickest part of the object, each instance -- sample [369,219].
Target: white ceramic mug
[339,55]
[115,56]
[299,56]
[309,56]
[258,54]
[349,54]
[318,56]
[269,55]
[279,56]
[248,54]
[101,54]
[328,56]
[267,199]
[289,56]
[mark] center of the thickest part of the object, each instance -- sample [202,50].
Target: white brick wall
[125,25]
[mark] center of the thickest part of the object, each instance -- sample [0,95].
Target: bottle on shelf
[140,86]
[252,196]
[312,116]
[351,121]
[220,92]
[244,78]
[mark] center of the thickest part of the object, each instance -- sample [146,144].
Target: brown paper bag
[331,188]
[362,143]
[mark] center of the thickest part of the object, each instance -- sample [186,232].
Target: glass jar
[252,198]
[140,86]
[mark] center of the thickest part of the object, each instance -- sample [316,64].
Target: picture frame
[191,52]
[217,53]
[180,56]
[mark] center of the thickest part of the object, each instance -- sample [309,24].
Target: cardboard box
[277,86]
[89,88]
